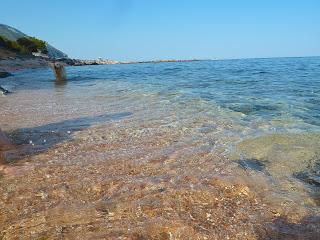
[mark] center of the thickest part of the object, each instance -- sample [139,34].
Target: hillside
[14,34]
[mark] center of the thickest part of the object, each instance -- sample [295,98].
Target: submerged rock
[291,160]
[252,164]
[5,74]
[311,175]
[280,154]
[4,91]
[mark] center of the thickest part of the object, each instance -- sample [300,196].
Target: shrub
[27,44]
[12,45]
[41,45]
[24,45]
[2,41]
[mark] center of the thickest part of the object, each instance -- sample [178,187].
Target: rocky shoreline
[18,63]
[83,62]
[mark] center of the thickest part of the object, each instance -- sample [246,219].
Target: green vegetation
[26,45]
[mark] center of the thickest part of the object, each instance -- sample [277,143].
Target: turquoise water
[261,114]
[279,89]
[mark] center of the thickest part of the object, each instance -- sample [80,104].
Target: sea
[254,120]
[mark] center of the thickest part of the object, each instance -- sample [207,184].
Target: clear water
[279,89]
[256,119]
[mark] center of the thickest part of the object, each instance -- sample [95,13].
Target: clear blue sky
[162,29]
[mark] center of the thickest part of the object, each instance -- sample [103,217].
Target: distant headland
[20,51]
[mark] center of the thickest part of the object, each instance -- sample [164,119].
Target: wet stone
[311,176]
[252,164]
[5,74]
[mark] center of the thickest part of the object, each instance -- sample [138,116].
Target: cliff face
[13,34]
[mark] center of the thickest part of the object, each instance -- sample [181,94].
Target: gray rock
[5,74]
[4,91]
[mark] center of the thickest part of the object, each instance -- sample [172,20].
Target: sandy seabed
[111,182]
[147,168]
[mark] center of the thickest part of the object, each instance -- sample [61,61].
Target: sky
[171,29]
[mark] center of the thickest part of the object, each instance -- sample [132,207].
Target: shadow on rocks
[282,229]
[31,141]
[252,164]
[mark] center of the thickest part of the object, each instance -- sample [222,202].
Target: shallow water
[204,149]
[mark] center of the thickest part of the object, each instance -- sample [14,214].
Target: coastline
[18,63]
[13,64]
